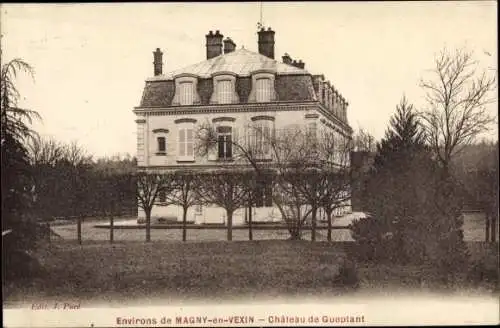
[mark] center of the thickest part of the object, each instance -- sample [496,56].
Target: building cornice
[226,108]
[236,108]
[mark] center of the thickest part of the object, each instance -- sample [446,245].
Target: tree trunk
[250,231]
[79,229]
[184,223]
[313,223]
[111,229]
[329,218]
[148,225]
[48,232]
[295,233]
[487,236]
[229,225]
[494,222]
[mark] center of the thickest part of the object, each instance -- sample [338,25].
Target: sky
[91,60]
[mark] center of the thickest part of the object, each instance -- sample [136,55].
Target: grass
[91,234]
[128,272]
[125,272]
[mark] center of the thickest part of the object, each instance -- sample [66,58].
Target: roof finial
[260,24]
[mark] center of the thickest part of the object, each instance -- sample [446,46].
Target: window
[311,131]
[263,90]
[262,139]
[224,142]
[162,148]
[162,196]
[198,209]
[264,194]
[186,93]
[186,147]
[224,91]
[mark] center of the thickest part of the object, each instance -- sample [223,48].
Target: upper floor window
[186,143]
[161,141]
[224,142]
[262,138]
[162,146]
[186,93]
[185,138]
[224,91]
[263,90]
[261,135]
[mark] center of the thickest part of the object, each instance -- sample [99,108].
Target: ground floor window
[264,194]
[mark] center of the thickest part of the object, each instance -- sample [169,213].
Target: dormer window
[186,93]
[186,90]
[224,91]
[263,90]
[224,88]
[262,87]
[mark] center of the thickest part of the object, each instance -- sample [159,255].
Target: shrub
[347,276]
[167,219]
[373,240]
[480,272]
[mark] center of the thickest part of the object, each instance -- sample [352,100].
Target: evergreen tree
[403,140]
[16,177]
[400,184]
[419,209]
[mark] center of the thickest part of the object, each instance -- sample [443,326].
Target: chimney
[266,42]
[214,44]
[287,59]
[158,62]
[298,64]
[229,45]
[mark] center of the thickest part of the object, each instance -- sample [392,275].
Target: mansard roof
[241,62]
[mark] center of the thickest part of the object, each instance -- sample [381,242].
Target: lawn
[133,271]
[127,273]
[91,234]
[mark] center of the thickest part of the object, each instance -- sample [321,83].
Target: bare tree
[224,188]
[48,151]
[335,177]
[299,165]
[45,151]
[364,141]
[149,186]
[457,95]
[184,194]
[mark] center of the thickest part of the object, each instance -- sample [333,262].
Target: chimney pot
[214,44]
[157,62]
[229,45]
[266,42]
[286,59]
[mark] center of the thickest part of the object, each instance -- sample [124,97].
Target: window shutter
[182,142]
[212,152]
[189,142]
[224,91]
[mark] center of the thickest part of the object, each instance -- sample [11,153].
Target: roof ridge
[241,61]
